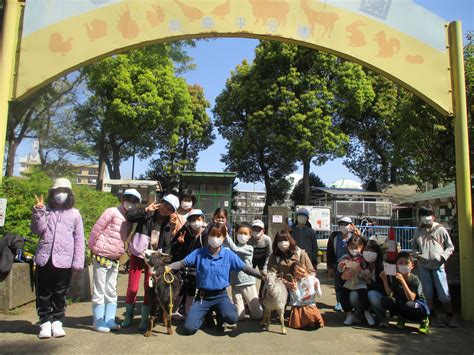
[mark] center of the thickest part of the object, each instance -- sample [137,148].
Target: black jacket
[147,222]
[9,245]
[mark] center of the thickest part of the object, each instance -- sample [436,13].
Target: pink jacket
[109,234]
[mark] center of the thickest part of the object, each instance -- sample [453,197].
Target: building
[149,190]
[213,189]
[248,205]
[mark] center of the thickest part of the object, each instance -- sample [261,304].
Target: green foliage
[297,195]
[20,193]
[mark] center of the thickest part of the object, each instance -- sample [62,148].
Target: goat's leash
[169,282]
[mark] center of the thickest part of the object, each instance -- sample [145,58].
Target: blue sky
[214,61]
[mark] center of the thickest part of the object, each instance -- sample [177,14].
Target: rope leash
[169,281]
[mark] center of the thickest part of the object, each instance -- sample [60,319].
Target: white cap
[345,219]
[132,192]
[302,211]
[62,183]
[258,223]
[195,212]
[172,200]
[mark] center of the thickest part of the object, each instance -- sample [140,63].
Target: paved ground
[18,332]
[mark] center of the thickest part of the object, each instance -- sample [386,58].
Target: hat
[345,219]
[302,211]
[172,200]
[62,183]
[195,212]
[258,223]
[132,192]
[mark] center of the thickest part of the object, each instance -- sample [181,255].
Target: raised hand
[39,201]
[152,206]
[181,238]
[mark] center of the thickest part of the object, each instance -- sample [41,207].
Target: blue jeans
[220,302]
[375,298]
[431,278]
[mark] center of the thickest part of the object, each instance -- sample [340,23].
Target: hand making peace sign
[39,202]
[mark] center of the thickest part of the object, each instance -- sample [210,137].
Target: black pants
[260,263]
[407,310]
[52,285]
[363,299]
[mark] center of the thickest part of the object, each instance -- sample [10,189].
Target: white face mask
[186,205]
[345,229]
[243,238]
[300,219]
[283,245]
[60,198]
[128,206]
[369,256]
[403,269]
[196,225]
[215,242]
[256,235]
[353,252]
[427,220]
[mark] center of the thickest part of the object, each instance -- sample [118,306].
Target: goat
[275,297]
[159,291]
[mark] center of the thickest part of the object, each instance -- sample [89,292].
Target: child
[60,250]
[354,263]
[262,249]
[405,297]
[106,243]
[187,200]
[304,311]
[153,232]
[243,285]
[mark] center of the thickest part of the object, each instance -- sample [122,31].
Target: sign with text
[319,217]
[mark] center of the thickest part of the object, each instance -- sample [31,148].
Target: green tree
[297,195]
[136,103]
[182,154]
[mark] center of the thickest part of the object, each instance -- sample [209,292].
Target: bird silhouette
[190,12]
[222,10]
[58,45]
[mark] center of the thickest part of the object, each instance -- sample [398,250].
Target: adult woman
[187,200]
[285,253]
[374,258]
[213,266]
[153,231]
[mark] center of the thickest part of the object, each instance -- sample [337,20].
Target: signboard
[3,211]
[319,217]
[277,218]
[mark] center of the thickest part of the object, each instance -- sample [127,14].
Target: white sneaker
[57,329]
[45,330]
[177,316]
[350,319]
[370,319]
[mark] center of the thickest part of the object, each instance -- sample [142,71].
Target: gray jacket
[245,252]
[432,246]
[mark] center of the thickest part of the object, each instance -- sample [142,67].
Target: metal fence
[404,235]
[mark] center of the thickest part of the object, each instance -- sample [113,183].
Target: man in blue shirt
[213,265]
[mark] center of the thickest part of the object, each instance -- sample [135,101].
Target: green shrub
[20,193]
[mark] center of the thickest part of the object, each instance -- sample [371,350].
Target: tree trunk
[100,177]
[306,191]
[12,147]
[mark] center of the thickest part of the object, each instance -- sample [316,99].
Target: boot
[127,322]
[110,311]
[145,314]
[98,312]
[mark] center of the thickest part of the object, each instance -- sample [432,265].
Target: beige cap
[62,183]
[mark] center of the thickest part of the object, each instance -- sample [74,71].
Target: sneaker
[383,325]
[177,316]
[224,326]
[424,326]
[370,319]
[350,319]
[435,322]
[45,330]
[338,307]
[452,322]
[401,323]
[57,329]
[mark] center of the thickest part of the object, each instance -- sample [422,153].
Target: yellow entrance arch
[43,40]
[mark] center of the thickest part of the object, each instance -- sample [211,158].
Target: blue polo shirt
[212,273]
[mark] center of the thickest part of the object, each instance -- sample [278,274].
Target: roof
[208,174]
[346,184]
[335,191]
[448,191]
[401,191]
[133,183]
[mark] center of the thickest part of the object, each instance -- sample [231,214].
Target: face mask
[243,238]
[219,221]
[129,206]
[345,229]
[369,256]
[283,245]
[403,269]
[196,225]
[301,219]
[186,205]
[215,242]
[256,235]
[60,197]
[428,220]
[353,252]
